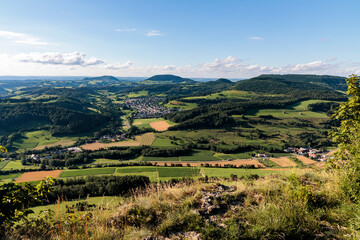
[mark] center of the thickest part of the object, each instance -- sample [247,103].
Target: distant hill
[333,82]
[167,78]
[223,80]
[102,78]
[277,84]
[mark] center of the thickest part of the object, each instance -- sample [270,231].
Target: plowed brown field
[283,162]
[160,126]
[36,176]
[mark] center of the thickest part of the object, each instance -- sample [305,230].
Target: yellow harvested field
[145,139]
[62,143]
[137,123]
[305,160]
[283,162]
[160,126]
[36,176]
[238,162]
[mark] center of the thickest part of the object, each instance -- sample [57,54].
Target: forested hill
[273,85]
[102,78]
[333,82]
[167,78]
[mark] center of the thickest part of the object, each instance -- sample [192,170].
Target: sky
[189,38]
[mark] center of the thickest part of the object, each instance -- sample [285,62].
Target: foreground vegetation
[280,206]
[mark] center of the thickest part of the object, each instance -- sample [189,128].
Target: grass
[9,177]
[16,165]
[137,94]
[200,155]
[268,163]
[226,172]
[232,94]
[39,138]
[162,142]
[86,172]
[145,122]
[181,105]
[104,160]
[158,159]
[60,208]
[291,111]
[3,164]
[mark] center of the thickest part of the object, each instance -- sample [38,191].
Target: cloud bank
[77,63]
[22,38]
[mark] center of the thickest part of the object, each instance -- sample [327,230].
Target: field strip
[160,126]
[283,162]
[145,139]
[39,175]
[62,143]
[238,162]
[305,160]
[332,152]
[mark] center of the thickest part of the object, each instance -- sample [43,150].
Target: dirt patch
[237,163]
[36,176]
[63,143]
[283,162]
[160,126]
[305,160]
[146,139]
[331,152]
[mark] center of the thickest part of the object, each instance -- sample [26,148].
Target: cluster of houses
[114,137]
[147,107]
[308,152]
[64,150]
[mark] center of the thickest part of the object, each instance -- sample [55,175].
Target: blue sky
[197,38]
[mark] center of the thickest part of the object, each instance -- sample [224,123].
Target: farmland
[86,172]
[36,176]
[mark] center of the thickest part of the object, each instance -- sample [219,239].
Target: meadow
[39,138]
[86,172]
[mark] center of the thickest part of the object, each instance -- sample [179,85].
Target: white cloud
[330,59]
[118,66]
[255,38]
[55,58]
[126,30]
[77,63]
[153,33]
[22,38]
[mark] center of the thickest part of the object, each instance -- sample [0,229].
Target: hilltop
[167,78]
[102,78]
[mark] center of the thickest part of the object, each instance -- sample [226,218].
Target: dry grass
[283,162]
[143,140]
[62,143]
[305,160]
[37,176]
[160,126]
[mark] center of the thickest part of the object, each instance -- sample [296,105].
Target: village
[147,107]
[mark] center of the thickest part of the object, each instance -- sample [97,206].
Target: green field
[200,155]
[9,177]
[137,94]
[3,164]
[163,171]
[60,208]
[86,172]
[226,172]
[162,142]
[234,94]
[145,122]
[12,165]
[159,159]
[291,111]
[182,105]
[38,138]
